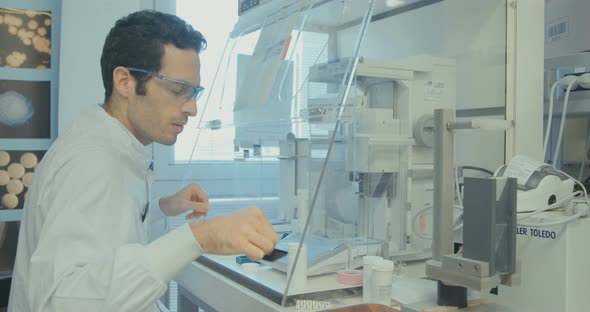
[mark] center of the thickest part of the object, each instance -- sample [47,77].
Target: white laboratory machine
[550,232]
[340,144]
[330,107]
[351,136]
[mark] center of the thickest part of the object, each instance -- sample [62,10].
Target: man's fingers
[269,233]
[262,242]
[253,252]
[197,206]
[261,224]
[195,214]
[197,194]
[264,227]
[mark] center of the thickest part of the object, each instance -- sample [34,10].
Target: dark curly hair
[138,40]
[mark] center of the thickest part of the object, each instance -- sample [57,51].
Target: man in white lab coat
[82,243]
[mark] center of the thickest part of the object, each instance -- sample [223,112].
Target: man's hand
[191,197]
[244,232]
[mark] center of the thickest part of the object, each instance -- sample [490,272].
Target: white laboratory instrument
[553,269]
[289,141]
[333,144]
[552,224]
[364,198]
[539,185]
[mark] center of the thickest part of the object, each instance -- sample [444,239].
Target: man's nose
[190,107]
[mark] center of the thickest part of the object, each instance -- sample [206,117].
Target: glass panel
[331,104]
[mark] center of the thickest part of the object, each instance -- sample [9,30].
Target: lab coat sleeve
[180,244]
[88,257]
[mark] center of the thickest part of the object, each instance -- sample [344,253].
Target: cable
[459,194]
[569,80]
[585,155]
[459,222]
[554,223]
[552,206]
[427,207]
[584,82]
[484,170]
[559,222]
[580,184]
[567,220]
[563,114]
[587,211]
[549,117]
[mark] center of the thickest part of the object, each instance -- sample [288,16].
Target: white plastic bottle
[382,278]
[368,263]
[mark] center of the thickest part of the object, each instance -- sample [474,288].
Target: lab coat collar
[137,149]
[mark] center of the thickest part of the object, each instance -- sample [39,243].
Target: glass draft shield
[329,109]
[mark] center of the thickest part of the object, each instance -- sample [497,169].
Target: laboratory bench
[217,283]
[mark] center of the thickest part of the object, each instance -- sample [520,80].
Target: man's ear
[123,82]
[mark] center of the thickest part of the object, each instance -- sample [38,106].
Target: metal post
[442,242]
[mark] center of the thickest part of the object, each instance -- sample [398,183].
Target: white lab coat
[82,244]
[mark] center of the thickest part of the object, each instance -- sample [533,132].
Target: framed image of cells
[17,170]
[25,38]
[25,109]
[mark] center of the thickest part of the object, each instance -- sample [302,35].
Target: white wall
[85,25]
